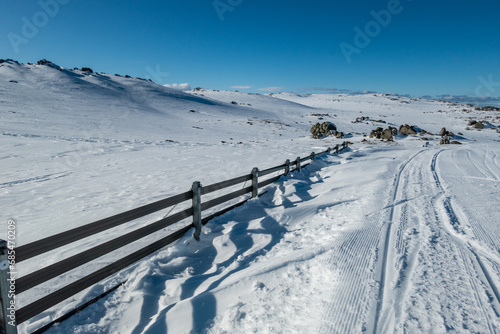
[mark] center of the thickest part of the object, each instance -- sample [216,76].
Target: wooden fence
[22,253]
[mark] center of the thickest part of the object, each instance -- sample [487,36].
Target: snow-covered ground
[386,237]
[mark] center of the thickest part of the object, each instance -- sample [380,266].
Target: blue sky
[418,47]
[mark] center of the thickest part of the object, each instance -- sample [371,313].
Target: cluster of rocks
[446,140]
[445,137]
[386,134]
[366,119]
[407,130]
[361,119]
[8,60]
[87,69]
[423,132]
[476,124]
[445,132]
[48,63]
[119,75]
[488,108]
[320,130]
[390,132]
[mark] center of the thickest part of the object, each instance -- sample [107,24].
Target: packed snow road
[434,278]
[376,240]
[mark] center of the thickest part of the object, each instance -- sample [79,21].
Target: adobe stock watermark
[372,29]
[486,86]
[223,6]
[9,274]
[156,75]
[31,26]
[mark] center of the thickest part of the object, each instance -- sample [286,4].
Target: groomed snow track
[439,264]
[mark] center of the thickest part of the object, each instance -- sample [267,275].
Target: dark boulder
[320,130]
[479,125]
[386,134]
[445,140]
[407,130]
[445,132]
[87,69]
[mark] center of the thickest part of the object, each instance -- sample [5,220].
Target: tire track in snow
[490,286]
[387,240]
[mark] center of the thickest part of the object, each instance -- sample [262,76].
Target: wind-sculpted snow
[386,237]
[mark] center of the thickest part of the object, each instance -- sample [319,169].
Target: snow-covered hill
[389,236]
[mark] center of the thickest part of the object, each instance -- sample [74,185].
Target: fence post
[313,156]
[8,317]
[197,209]
[298,164]
[255,182]
[287,168]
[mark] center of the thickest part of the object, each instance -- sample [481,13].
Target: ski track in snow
[41,178]
[480,277]
[399,185]
[424,260]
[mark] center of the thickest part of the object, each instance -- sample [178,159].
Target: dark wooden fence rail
[36,248]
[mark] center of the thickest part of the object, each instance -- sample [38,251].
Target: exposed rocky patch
[48,63]
[476,124]
[321,130]
[488,108]
[385,134]
[408,130]
[87,69]
[445,132]
[9,60]
[423,132]
[445,140]
[365,119]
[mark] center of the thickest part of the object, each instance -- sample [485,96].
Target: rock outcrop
[386,134]
[445,132]
[476,124]
[320,130]
[445,140]
[407,130]
[48,63]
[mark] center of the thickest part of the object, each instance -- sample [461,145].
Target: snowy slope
[388,236]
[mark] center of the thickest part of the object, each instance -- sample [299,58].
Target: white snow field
[385,237]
